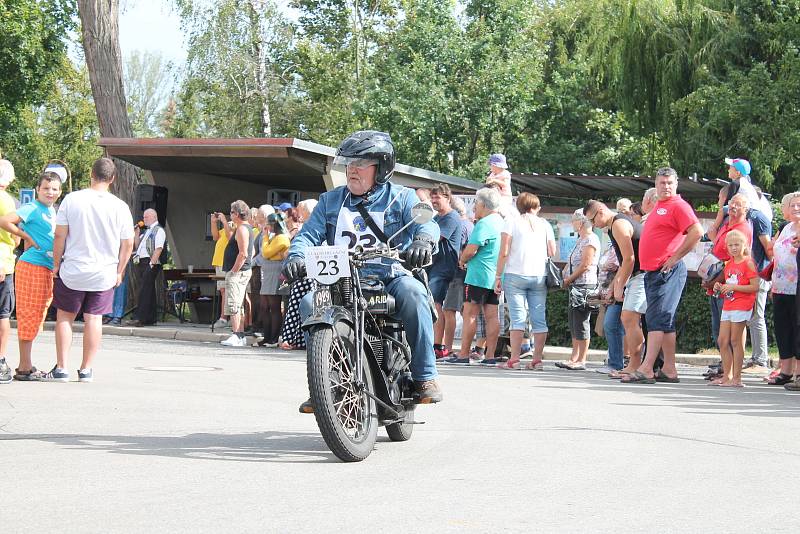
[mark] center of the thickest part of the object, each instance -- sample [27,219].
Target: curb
[551,352]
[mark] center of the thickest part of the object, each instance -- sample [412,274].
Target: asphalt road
[213,442]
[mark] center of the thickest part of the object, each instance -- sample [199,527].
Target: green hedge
[693,321]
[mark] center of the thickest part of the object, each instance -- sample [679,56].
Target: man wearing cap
[284,207]
[7,245]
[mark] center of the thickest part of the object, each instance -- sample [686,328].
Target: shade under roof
[582,186]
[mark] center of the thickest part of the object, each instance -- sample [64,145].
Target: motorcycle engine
[378,300]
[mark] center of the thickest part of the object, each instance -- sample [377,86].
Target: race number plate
[322,298]
[327,264]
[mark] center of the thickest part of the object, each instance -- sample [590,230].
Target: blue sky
[151,25]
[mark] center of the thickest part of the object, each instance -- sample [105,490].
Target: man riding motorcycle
[365,211]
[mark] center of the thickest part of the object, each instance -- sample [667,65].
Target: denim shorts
[531,290]
[635,299]
[664,292]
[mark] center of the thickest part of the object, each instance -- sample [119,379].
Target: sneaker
[5,372]
[442,353]
[56,374]
[794,385]
[221,323]
[307,407]
[85,375]
[476,356]
[116,321]
[427,392]
[457,360]
[234,341]
[34,375]
[491,362]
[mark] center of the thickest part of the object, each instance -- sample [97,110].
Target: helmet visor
[342,163]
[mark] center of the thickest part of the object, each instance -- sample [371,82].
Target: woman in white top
[526,242]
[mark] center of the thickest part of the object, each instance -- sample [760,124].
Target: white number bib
[327,264]
[352,229]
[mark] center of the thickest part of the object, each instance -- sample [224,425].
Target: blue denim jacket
[321,226]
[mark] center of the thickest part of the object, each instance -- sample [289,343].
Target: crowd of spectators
[490,270]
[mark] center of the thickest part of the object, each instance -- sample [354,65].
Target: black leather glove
[294,269]
[419,253]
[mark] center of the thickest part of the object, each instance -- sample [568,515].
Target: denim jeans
[120,298]
[758,325]
[664,292]
[716,313]
[531,290]
[413,310]
[615,333]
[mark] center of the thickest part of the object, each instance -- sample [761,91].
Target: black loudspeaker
[151,196]
[276,197]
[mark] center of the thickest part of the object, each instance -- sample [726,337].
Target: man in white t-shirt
[93,242]
[147,261]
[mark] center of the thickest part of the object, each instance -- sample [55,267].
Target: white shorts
[635,299]
[736,316]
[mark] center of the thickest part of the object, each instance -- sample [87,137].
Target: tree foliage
[32,46]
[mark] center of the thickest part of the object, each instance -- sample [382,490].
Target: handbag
[584,298]
[766,272]
[710,268]
[553,278]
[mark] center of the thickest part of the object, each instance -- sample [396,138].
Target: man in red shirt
[672,230]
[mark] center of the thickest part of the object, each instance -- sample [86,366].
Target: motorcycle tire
[402,431]
[347,419]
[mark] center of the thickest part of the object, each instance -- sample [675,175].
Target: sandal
[637,377]
[575,367]
[780,380]
[661,377]
[617,375]
[535,365]
[509,365]
[34,375]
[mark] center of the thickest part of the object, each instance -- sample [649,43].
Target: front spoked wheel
[347,417]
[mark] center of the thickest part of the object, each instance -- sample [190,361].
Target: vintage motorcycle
[358,359]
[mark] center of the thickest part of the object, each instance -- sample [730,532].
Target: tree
[32,45]
[100,32]
[64,127]
[238,80]
[148,86]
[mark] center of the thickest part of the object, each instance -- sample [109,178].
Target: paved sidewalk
[202,333]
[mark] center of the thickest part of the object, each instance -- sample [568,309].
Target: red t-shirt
[720,250]
[739,274]
[663,232]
